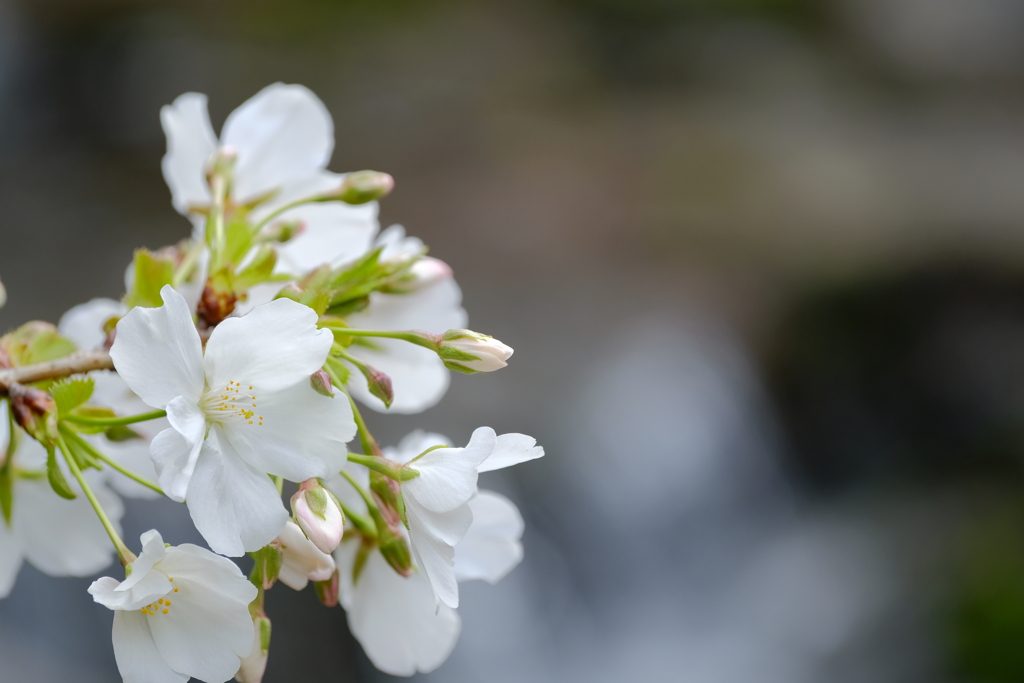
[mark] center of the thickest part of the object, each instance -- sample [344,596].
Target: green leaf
[35,342]
[238,241]
[152,272]
[121,433]
[260,269]
[56,477]
[71,393]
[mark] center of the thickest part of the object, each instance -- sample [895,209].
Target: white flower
[318,515]
[58,537]
[283,138]
[491,547]
[438,502]
[181,612]
[468,351]
[303,562]
[243,410]
[395,619]
[418,376]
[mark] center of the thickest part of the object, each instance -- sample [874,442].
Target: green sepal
[316,499]
[363,554]
[263,629]
[350,307]
[68,394]
[7,491]
[266,567]
[56,478]
[455,367]
[151,272]
[447,352]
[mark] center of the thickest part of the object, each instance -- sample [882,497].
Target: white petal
[334,233]
[433,536]
[10,558]
[142,586]
[63,537]
[207,629]
[83,324]
[491,548]
[273,347]
[448,475]
[303,561]
[303,433]
[418,376]
[511,449]
[397,622]
[234,507]
[138,660]
[414,443]
[190,144]
[282,133]
[173,462]
[158,353]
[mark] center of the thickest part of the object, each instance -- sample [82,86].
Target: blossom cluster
[238,360]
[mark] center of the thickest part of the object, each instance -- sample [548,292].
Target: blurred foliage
[985,628]
[914,375]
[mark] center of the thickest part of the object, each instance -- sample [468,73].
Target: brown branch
[75,364]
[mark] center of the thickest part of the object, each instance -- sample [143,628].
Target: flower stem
[74,364]
[126,556]
[386,467]
[412,337]
[184,268]
[115,421]
[219,188]
[68,434]
[280,210]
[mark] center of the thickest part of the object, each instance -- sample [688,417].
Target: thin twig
[75,364]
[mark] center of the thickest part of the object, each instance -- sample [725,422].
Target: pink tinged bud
[471,352]
[378,383]
[327,591]
[321,383]
[424,273]
[319,516]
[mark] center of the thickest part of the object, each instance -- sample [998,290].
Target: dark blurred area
[762,263]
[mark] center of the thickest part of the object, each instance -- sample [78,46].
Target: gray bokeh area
[760,262]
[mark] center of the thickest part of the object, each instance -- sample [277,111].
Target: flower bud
[327,590]
[378,383]
[35,411]
[281,232]
[360,187]
[3,295]
[425,272]
[267,564]
[318,515]
[254,666]
[321,383]
[471,352]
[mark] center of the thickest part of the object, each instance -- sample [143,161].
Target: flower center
[161,606]
[233,403]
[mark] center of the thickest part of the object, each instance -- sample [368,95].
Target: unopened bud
[360,187]
[303,561]
[318,515]
[327,591]
[255,665]
[221,163]
[3,295]
[426,272]
[281,232]
[36,412]
[471,352]
[321,383]
[378,383]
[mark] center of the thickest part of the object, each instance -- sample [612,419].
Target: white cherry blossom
[303,561]
[395,619]
[283,138]
[182,611]
[243,410]
[58,537]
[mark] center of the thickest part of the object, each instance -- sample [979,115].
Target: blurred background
[762,263]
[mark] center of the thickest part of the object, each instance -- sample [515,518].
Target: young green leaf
[68,394]
[56,477]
